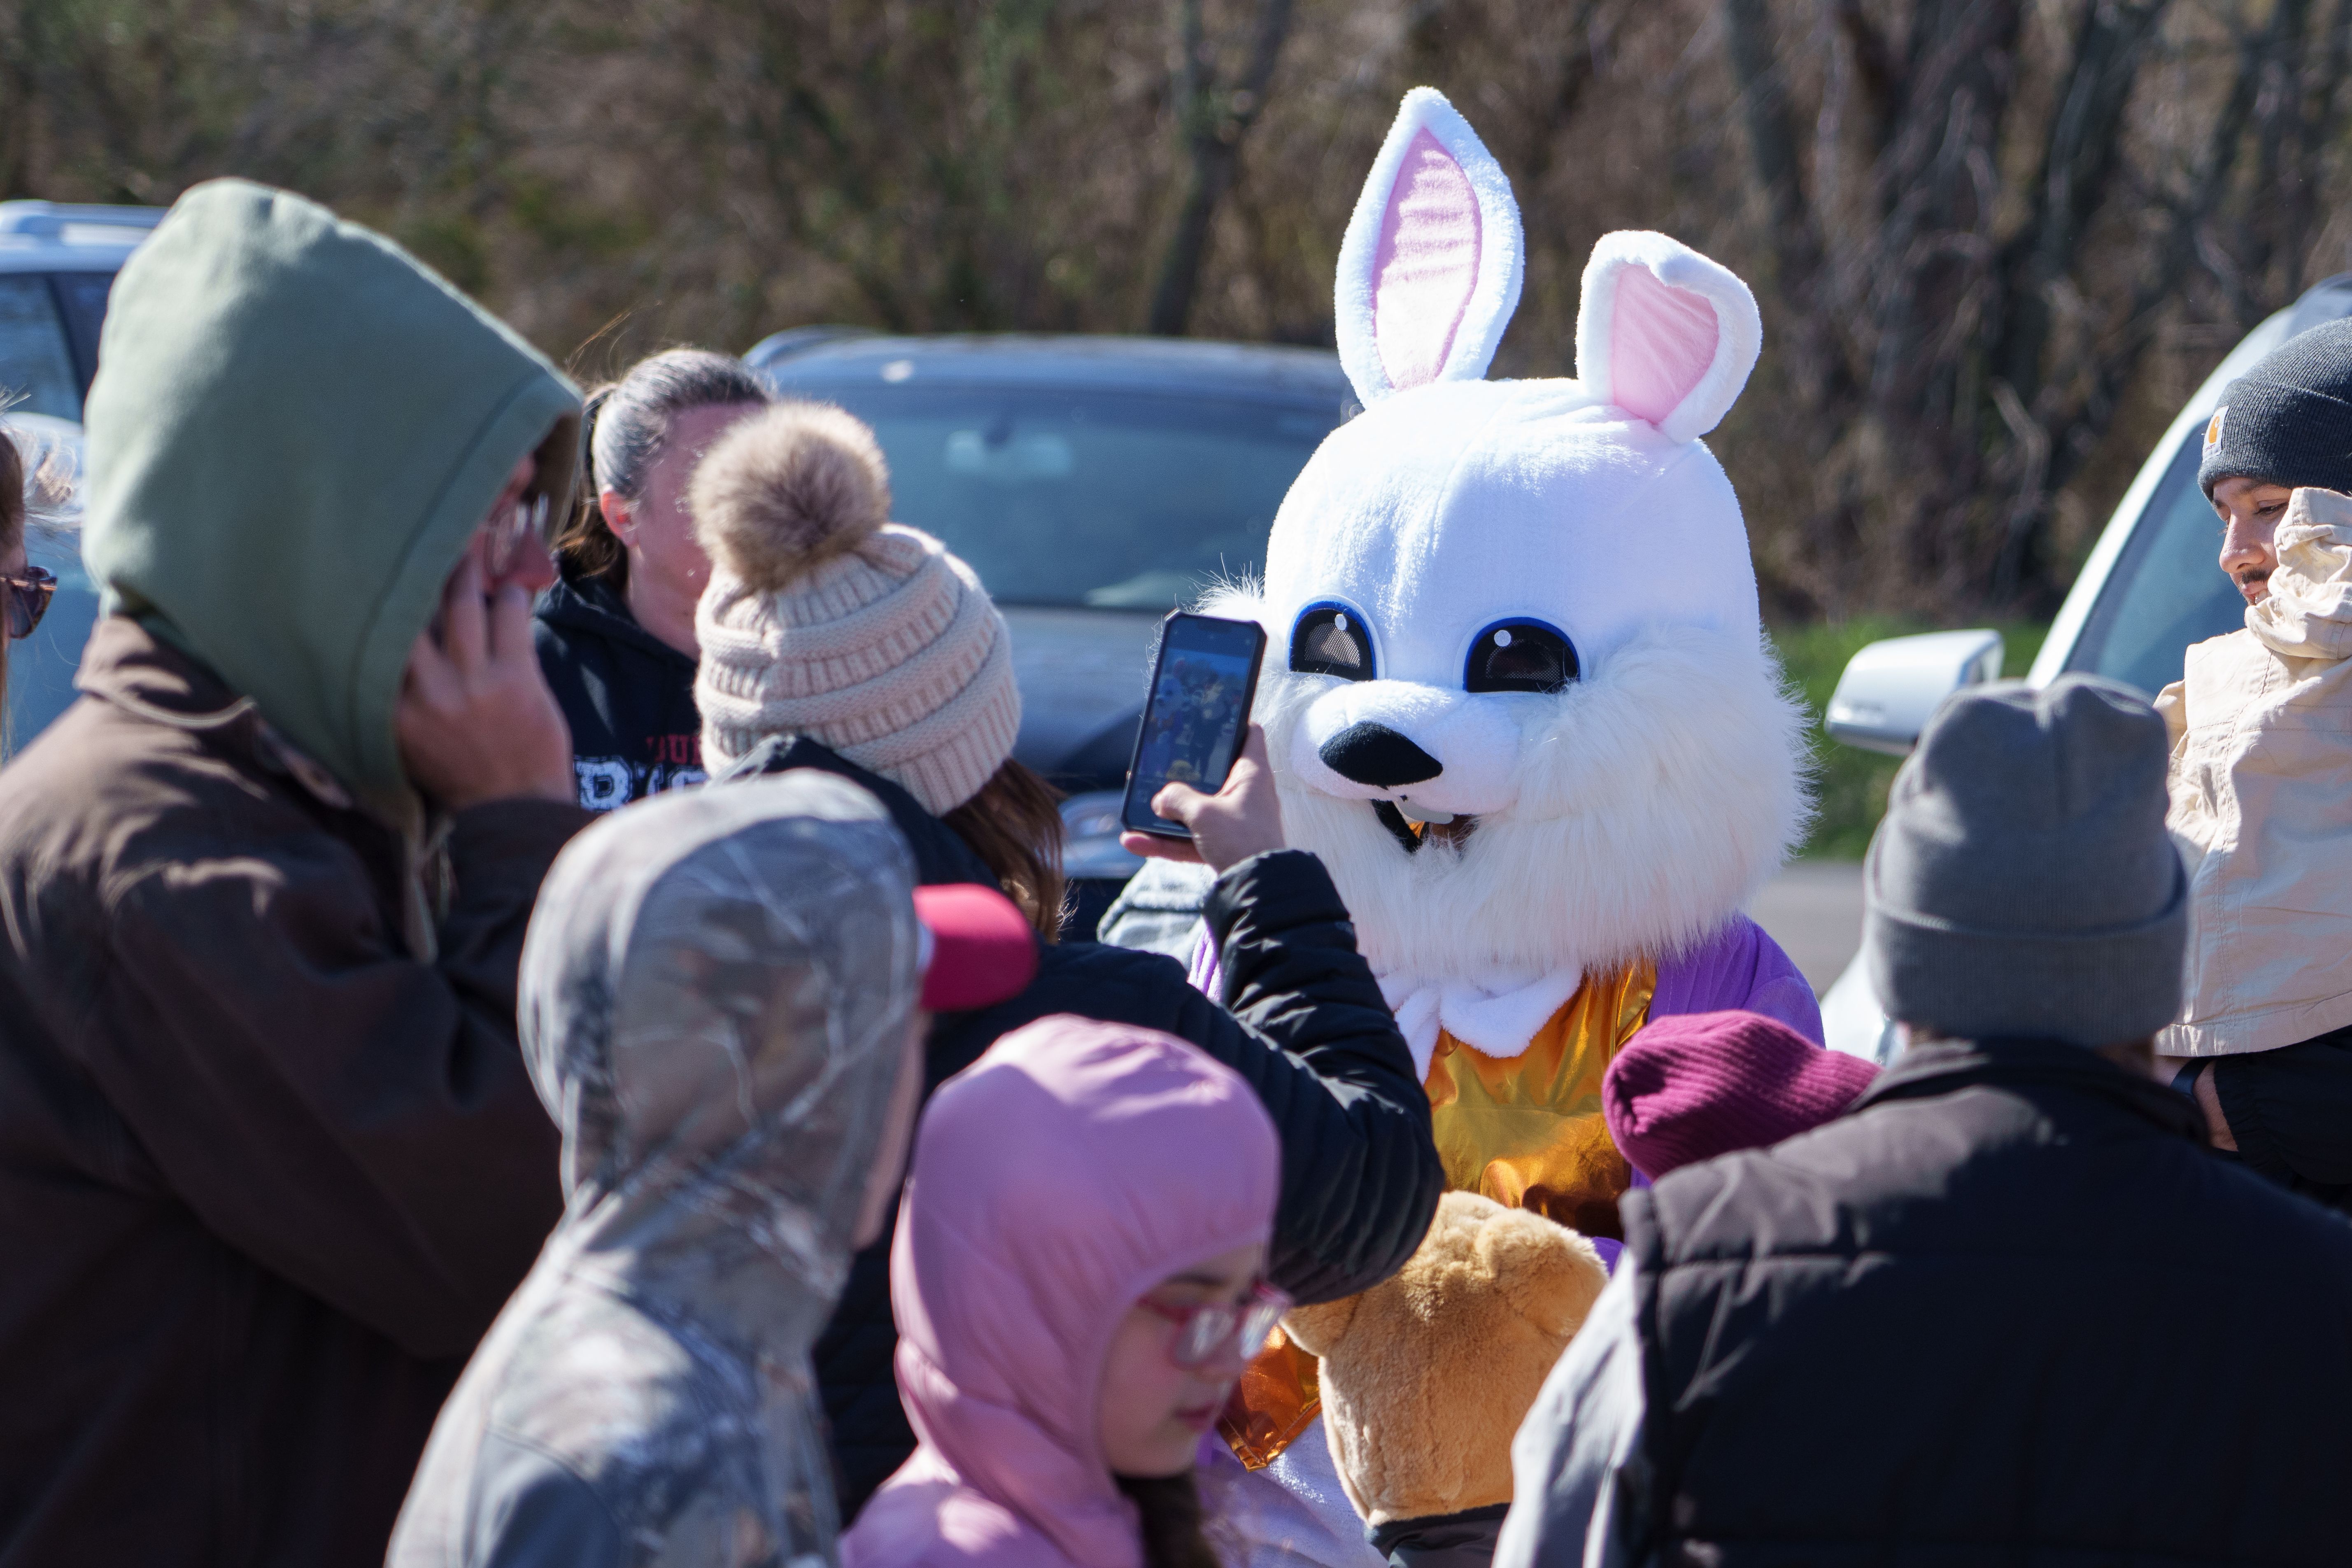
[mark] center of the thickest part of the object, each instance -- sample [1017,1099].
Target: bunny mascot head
[1517,690]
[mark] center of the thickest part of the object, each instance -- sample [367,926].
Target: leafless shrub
[1996,241]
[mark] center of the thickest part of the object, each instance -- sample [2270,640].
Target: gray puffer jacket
[716,993]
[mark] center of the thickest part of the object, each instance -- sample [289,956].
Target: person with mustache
[2262,763]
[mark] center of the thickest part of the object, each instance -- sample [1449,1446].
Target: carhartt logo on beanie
[823,618]
[2289,419]
[1696,1085]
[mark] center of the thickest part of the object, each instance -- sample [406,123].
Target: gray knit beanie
[2022,883]
[824,619]
[2289,418]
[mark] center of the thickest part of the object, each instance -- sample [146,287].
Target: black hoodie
[627,695]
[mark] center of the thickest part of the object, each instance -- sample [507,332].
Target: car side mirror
[1890,688]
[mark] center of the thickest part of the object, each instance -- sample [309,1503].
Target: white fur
[1740,330]
[1653,798]
[1445,509]
[1502,260]
[1478,739]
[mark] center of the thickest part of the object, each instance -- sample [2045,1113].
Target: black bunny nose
[1375,754]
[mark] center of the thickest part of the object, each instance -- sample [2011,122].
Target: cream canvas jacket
[2261,802]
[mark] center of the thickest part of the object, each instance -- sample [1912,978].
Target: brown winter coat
[265,1177]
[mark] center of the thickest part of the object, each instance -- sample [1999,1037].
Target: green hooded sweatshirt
[294,429]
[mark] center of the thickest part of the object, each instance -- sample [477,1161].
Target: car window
[35,362]
[82,296]
[2167,590]
[1110,499]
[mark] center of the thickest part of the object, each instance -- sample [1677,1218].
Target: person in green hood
[269,1160]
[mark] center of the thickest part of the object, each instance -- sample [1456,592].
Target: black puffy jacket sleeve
[1306,1024]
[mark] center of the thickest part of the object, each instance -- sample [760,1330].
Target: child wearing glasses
[1077,1278]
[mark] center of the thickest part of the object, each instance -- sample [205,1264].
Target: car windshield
[82,296]
[2167,590]
[36,366]
[1113,500]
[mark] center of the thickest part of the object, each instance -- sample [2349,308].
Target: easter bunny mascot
[1517,692]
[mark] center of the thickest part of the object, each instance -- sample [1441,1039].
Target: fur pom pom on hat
[823,618]
[1698,1085]
[807,485]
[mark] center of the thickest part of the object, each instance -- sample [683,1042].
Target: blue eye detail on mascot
[1332,639]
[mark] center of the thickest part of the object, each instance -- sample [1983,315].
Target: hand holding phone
[1204,679]
[1242,820]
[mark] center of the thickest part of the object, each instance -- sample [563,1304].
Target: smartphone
[1202,682]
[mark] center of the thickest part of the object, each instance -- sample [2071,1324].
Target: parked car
[58,263]
[56,266]
[2152,586]
[1095,484]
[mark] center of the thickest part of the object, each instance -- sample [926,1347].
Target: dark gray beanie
[2288,419]
[2022,883]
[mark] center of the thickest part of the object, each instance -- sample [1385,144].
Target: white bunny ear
[1663,333]
[1430,270]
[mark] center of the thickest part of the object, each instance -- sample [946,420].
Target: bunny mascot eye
[1332,639]
[1521,656]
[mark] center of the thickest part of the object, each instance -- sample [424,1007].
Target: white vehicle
[2151,587]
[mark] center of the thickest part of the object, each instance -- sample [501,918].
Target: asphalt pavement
[1813,909]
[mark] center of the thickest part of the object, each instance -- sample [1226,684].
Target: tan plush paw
[1427,1376]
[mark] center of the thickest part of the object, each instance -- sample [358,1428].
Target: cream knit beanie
[826,620]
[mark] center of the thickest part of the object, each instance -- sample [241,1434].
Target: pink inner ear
[1660,340]
[1427,264]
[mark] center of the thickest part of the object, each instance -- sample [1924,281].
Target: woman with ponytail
[615,633]
[1078,1277]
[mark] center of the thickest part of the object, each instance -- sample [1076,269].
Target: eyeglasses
[29,599]
[524,520]
[1217,1330]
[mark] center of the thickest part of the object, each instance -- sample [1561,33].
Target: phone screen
[1198,710]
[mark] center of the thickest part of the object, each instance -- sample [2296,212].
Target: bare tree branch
[1214,119]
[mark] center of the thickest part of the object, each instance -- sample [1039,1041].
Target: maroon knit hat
[1702,1084]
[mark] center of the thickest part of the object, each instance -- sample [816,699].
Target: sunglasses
[523,522]
[29,599]
[1219,1330]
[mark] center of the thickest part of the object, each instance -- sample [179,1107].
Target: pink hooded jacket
[1056,1180]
